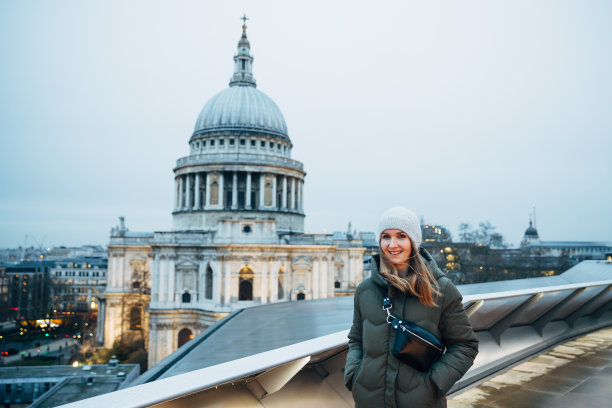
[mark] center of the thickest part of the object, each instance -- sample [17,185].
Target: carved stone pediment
[186,265]
[339,262]
[138,260]
[301,265]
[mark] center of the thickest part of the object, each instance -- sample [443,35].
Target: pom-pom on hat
[403,219]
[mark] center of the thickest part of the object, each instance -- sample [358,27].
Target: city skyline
[464,113]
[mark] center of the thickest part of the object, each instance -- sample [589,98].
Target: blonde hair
[419,282]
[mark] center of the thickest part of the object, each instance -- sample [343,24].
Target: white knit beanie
[403,219]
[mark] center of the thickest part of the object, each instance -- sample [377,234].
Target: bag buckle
[386,303]
[386,307]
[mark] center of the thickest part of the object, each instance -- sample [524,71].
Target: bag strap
[386,305]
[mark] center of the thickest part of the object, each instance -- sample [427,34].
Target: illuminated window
[245,285]
[184,336]
[135,318]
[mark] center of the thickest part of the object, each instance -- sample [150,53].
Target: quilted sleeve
[355,353]
[458,337]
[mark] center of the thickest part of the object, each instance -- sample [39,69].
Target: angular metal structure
[292,354]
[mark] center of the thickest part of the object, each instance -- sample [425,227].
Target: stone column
[261,190]
[284,198]
[274,187]
[221,190]
[169,347]
[163,273]
[323,280]
[188,191]
[201,279]
[101,320]
[155,281]
[225,265]
[180,192]
[235,190]
[330,276]
[272,274]
[198,201]
[170,280]
[176,193]
[315,277]
[299,195]
[207,202]
[248,191]
[121,270]
[292,201]
[263,284]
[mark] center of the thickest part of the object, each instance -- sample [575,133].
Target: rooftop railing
[514,320]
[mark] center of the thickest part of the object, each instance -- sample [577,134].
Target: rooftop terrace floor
[577,373]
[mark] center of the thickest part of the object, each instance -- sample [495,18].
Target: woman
[419,293]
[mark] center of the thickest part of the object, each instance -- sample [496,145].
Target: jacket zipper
[419,337]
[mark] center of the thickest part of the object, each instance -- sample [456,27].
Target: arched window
[135,318]
[337,284]
[301,296]
[268,194]
[214,193]
[184,336]
[186,298]
[245,286]
[136,285]
[208,290]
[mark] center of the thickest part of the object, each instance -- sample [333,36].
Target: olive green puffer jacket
[375,376]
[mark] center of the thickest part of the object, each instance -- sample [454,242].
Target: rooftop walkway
[577,373]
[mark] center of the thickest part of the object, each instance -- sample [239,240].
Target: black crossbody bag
[414,345]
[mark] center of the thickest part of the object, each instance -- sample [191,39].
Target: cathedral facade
[238,230]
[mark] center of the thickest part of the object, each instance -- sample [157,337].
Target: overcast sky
[463,111]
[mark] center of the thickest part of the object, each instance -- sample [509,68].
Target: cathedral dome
[531,232]
[241,108]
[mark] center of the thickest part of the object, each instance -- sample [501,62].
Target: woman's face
[396,245]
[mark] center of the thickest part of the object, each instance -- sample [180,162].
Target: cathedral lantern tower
[239,181]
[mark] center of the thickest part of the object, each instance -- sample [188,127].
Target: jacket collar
[380,281]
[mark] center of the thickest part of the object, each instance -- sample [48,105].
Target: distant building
[77,284]
[4,294]
[50,386]
[435,233]
[84,251]
[122,310]
[531,235]
[20,254]
[28,289]
[575,250]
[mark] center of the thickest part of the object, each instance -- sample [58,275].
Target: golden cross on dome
[244,20]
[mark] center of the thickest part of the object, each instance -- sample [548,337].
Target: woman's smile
[396,245]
